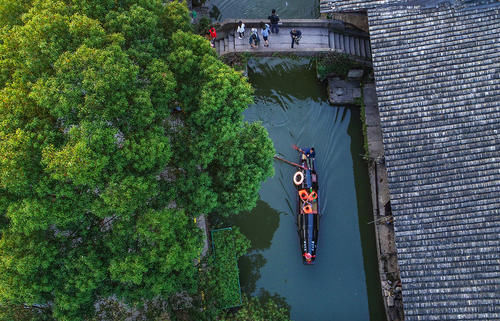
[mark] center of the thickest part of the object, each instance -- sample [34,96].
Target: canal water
[261,9]
[343,284]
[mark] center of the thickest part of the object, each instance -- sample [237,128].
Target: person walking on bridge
[274,19]
[265,33]
[296,36]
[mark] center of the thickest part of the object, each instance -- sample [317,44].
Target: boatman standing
[308,152]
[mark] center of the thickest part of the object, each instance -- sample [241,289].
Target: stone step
[331,40]
[356,47]
[362,47]
[226,44]
[368,49]
[231,43]
[340,42]
[217,47]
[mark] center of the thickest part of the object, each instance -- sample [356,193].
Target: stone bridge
[318,36]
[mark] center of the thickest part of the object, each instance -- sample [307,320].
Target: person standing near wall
[274,19]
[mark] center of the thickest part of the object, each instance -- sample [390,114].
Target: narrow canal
[261,9]
[343,285]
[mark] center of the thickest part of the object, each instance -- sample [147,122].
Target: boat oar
[297,148]
[289,163]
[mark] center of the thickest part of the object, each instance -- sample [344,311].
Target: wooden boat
[308,207]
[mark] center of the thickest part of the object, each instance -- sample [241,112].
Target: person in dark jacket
[296,36]
[274,19]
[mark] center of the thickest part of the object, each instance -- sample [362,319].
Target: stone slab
[341,92]
[355,74]
[375,145]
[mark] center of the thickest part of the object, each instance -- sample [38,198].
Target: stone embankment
[347,92]
[382,215]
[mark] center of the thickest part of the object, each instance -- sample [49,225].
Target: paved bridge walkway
[317,36]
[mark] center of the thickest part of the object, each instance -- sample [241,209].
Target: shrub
[336,63]
[226,252]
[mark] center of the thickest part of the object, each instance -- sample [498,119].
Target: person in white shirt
[241,30]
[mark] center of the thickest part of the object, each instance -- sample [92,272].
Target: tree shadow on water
[280,301]
[250,266]
[365,215]
[215,13]
[258,225]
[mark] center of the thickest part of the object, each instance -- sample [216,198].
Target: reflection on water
[365,215]
[255,9]
[214,13]
[273,89]
[259,225]
[294,109]
[250,266]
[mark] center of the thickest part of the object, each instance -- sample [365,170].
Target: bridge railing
[228,26]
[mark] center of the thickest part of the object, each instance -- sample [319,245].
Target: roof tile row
[437,71]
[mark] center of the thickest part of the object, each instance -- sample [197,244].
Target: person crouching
[296,36]
[254,40]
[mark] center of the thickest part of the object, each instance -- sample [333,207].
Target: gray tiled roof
[363,5]
[437,71]
[352,5]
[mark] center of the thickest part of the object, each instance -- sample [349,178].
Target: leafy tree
[11,11]
[100,177]
[255,309]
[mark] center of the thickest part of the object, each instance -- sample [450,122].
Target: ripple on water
[294,109]
[255,9]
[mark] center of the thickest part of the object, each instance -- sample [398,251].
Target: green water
[343,284]
[261,9]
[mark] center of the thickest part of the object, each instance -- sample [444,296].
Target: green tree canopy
[100,173]
[259,309]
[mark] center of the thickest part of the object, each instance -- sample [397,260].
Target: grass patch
[228,290]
